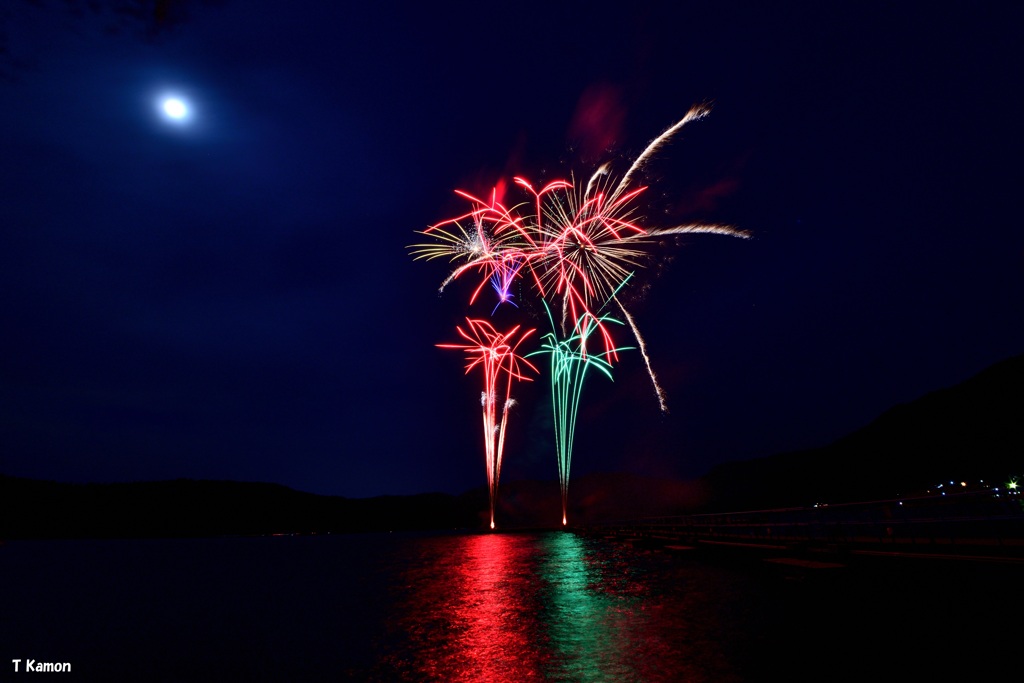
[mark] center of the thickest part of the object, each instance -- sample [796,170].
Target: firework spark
[495,353]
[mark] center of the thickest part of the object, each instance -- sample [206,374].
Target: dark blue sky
[233,298]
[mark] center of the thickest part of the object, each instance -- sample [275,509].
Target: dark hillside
[969,432]
[40,509]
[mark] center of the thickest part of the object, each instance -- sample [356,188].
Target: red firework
[495,353]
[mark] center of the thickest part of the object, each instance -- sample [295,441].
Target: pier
[982,525]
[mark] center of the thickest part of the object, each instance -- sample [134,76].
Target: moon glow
[175,109]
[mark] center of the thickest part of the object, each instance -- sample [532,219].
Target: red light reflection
[471,622]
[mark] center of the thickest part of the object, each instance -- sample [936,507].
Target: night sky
[231,296]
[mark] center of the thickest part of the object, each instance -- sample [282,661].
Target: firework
[496,245]
[577,243]
[570,362]
[495,353]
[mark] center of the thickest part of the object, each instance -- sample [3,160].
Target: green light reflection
[591,632]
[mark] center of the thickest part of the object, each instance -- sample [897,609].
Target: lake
[528,606]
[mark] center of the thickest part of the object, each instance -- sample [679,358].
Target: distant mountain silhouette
[188,508]
[968,432]
[184,507]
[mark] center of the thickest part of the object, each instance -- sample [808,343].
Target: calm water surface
[486,607]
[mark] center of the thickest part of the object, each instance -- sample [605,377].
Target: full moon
[175,108]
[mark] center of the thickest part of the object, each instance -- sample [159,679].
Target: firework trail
[495,353]
[658,391]
[696,113]
[570,363]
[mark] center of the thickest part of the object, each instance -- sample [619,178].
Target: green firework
[570,362]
